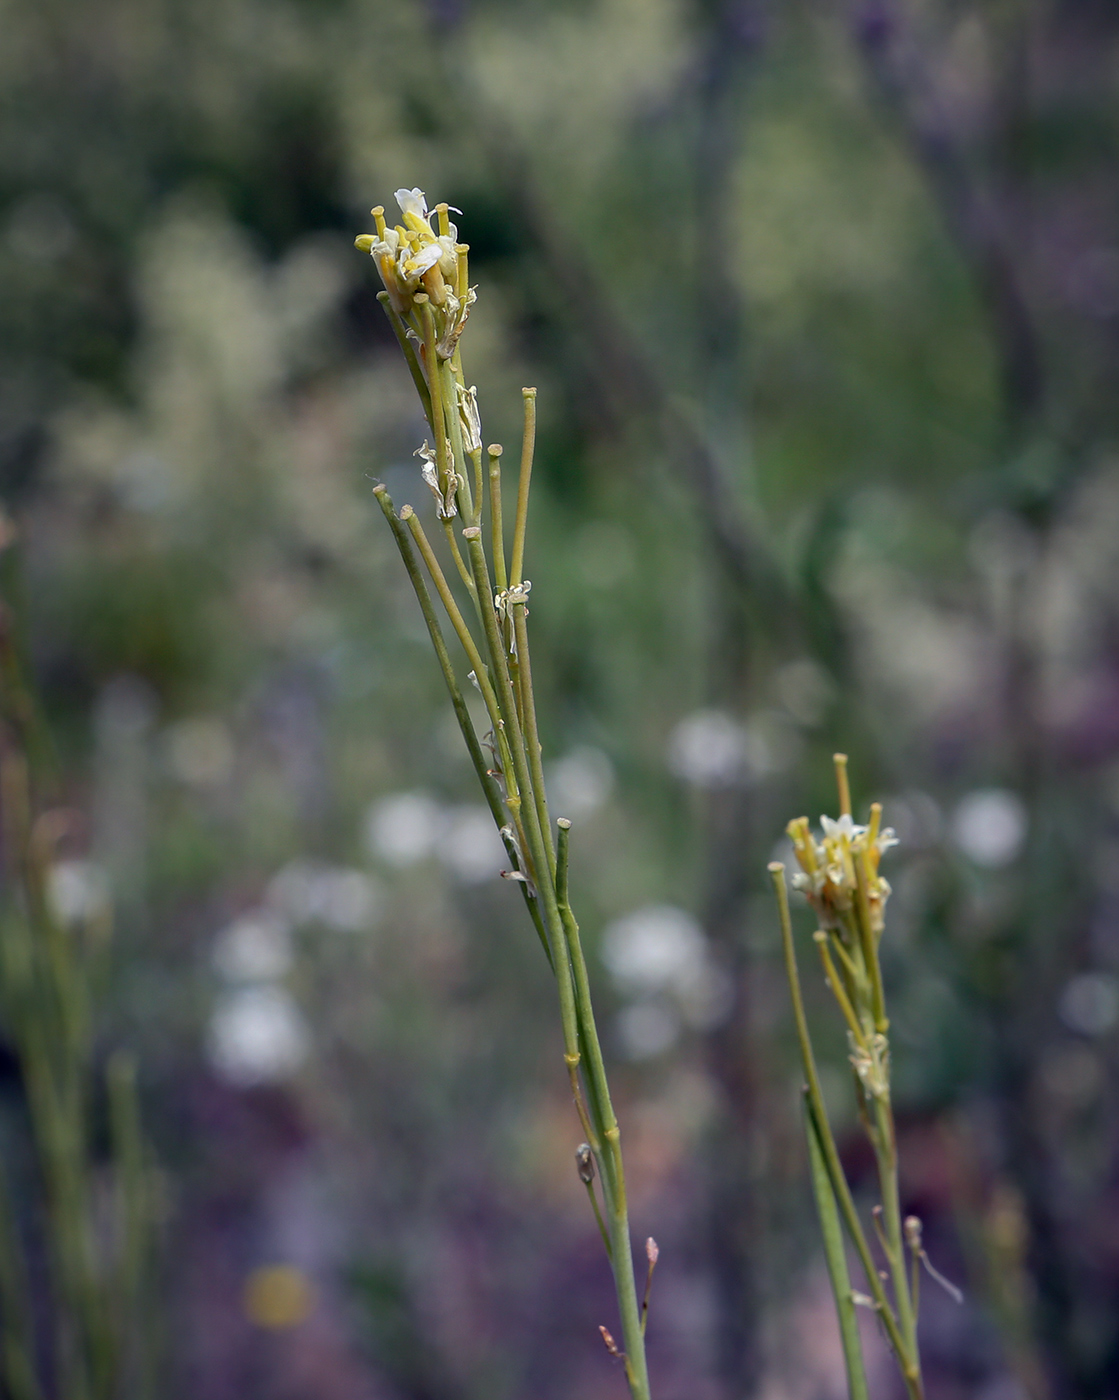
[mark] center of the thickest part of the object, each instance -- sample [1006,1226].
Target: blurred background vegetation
[823,306]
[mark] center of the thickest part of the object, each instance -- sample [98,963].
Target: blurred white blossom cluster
[659,960]
[257,1033]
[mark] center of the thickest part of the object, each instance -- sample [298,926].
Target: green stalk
[836,1259]
[910,1372]
[497,533]
[885,1151]
[831,977]
[409,356]
[870,950]
[517,606]
[447,598]
[449,391]
[490,789]
[438,415]
[566,959]
[528,447]
[598,1092]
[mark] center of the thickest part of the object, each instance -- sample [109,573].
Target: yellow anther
[379,217]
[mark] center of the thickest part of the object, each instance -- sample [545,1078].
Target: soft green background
[821,305]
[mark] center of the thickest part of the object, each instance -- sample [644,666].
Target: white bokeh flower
[989,826]
[470,846]
[254,948]
[257,1035]
[340,897]
[78,891]
[653,949]
[403,829]
[580,782]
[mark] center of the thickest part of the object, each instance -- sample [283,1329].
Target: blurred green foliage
[821,306]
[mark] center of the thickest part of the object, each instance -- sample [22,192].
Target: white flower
[412,202]
[845,826]
[413,266]
[386,247]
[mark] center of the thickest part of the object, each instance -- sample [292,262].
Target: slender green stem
[843,783]
[599,1220]
[458,622]
[497,533]
[598,1092]
[839,992]
[528,447]
[446,465]
[453,419]
[481,671]
[836,1260]
[435,632]
[456,555]
[519,610]
[409,355]
[479,483]
[490,789]
[850,970]
[535,836]
[870,948]
[885,1149]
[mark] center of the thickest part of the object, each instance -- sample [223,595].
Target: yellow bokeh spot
[278,1296]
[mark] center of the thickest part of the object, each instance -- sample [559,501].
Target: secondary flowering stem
[839,876]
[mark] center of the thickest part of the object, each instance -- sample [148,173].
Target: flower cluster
[839,871]
[416,261]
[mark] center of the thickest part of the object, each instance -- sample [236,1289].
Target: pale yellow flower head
[839,868]
[422,254]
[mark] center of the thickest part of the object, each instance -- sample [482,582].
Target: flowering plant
[839,876]
[427,298]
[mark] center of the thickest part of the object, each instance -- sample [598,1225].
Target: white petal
[412,202]
[427,257]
